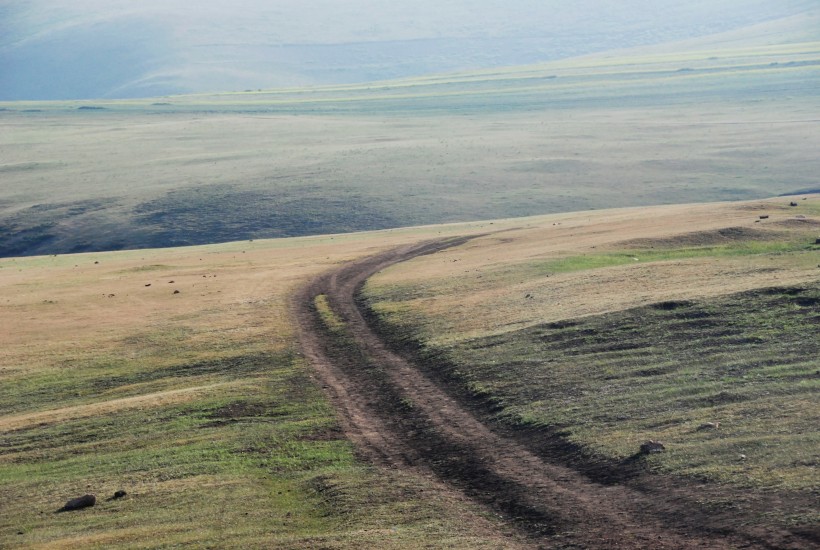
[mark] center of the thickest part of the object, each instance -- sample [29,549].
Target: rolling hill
[545,297]
[92,49]
[214,386]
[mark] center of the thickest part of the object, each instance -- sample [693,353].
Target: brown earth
[400,415]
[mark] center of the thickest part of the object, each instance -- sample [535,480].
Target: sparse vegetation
[177,381]
[198,407]
[745,361]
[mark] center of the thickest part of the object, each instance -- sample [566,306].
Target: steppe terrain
[563,335]
[441,311]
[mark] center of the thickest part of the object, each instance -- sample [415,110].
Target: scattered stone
[95,263]
[149,284]
[170,282]
[85,501]
[119,494]
[176,292]
[764,217]
[742,457]
[709,426]
[792,203]
[651,447]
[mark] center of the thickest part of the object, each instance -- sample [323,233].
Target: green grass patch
[255,460]
[596,261]
[797,250]
[331,321]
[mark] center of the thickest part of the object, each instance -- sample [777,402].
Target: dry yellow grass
[74,321]
[488,292]
[99,362]
[146,401]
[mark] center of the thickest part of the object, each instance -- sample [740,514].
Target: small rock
[85,501]
[119,494]
[764,217]
[792,203]
[742,457]
[149,284]
[176,292]
[650,447]
[709,426]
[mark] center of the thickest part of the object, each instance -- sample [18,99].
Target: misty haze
[88,49]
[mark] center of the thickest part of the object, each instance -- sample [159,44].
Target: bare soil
[399,414]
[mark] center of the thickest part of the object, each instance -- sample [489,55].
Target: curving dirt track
[398,415]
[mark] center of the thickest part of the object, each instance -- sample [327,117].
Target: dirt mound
[798,223]
[704,238]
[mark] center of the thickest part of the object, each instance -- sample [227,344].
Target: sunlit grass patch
[595,261]
[329,318]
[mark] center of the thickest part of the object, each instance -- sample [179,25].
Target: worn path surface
[399,415]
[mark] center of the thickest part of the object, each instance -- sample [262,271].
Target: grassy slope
[198,404]
[624,327]
[729,120]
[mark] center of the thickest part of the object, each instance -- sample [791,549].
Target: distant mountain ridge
[85,49]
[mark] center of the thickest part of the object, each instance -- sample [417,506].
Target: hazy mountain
[68,49]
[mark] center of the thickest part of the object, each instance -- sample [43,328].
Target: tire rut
[397,416]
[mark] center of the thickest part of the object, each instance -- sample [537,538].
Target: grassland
[198,404]
[725,121]
[622,327]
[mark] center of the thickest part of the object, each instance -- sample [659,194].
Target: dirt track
[399,416]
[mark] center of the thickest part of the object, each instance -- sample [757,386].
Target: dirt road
[399,415]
